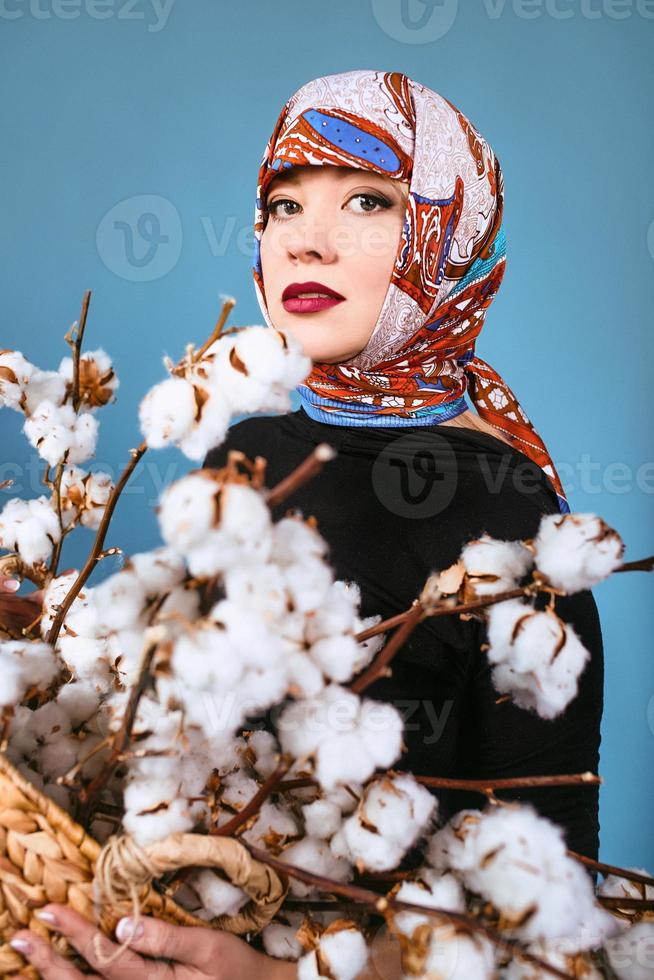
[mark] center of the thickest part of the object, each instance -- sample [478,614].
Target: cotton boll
[78,701]
[559,953]
[150,827]
[576,551]
[399,807]
[338,614]
[258,586]
[254,643]
[614,886]
[342,758]
[274,826]
[432,890]
[308,582]
[218,897]
[263,746]
[24,665]
[305,678]
[50,722]
[538,657]
[98,490]
[30,528]
[58,756]
[316,856]
[86,657]
[167,412]
[389,819]
[631,955]
[49,430]
[158,571]
[261,687]
[495,566]
[280,936]
[209,430]
[82,617]
[346,796]
[15,374]
[302,724]
[72,494]
[44,386]
[322,818]
[21,739]
[142,795]
[451,846]
[244,513]
[294,540]
[459,956]
[380,728]
[188,510]
[336,656]
[517,860]
[120,600]
[346,952]
[55,430]
[206,659]
[85,437]
[97,380]
[255,369]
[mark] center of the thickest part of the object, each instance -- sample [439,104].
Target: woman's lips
[309,304]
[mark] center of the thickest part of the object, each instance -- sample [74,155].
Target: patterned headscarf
[420,358]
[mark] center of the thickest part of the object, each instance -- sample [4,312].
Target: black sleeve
[503,740]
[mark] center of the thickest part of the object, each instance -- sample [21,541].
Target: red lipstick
[320,297]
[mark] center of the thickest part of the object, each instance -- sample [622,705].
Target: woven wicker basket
[45,856]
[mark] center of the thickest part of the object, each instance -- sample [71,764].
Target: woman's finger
[8,584]
[38,951]
[194,946]
[96,948]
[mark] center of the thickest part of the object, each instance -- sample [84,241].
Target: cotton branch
[307,469]
[383,906]
[121,740]
[74,340]
[96,550]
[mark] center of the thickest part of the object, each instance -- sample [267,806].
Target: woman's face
[334,227]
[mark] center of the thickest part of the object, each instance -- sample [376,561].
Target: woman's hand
[168,952]
[18,612]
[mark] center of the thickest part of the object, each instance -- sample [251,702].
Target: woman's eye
[370,198]
[272,208]
[370,203]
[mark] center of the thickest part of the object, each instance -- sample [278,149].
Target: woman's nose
[311,240]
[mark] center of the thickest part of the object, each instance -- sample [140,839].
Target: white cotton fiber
[495,566]
[576,551]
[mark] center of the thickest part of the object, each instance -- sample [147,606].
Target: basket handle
[124,872]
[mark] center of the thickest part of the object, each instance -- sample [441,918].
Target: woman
[379,245]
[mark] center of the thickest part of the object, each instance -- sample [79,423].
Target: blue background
[111,101]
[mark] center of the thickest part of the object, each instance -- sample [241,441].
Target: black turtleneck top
[397,504]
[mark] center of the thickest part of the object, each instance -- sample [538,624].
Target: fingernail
[12,585]
[48,917]
[21,945]
[128,930]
